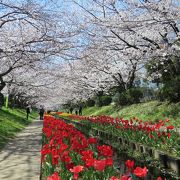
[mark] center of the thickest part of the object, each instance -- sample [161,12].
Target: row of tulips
[160,135]
[68,154]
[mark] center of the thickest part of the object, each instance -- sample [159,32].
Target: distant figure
[28,110]
[80,110]
[71,110]
[41,113]
[76,111]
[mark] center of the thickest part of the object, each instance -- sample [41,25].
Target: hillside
[149,111]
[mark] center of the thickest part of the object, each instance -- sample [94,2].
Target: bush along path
[20,159]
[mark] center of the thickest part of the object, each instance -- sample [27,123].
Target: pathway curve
[20,159]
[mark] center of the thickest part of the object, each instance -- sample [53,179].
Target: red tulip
[45,150]
[109,162]
[114,178]
[65,157]
[89,162]
[54,176]
[76,170]
[92,140]
[168,135]
[130,164]
[151,136]
[100,165]
[140,172]
[170,127]
[69,166]
[105,150]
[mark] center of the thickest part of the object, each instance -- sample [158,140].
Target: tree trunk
[99,94]
[2,84]
[131,77]
[120,82]
[130,82]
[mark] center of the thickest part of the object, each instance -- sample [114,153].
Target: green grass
[11,122]
[149,111]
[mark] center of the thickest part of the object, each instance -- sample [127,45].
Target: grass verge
[149,111]
[11,122]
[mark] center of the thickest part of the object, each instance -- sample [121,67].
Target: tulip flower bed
[160,135]
[69,154]
[156,145]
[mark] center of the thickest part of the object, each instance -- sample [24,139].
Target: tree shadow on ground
[20,159]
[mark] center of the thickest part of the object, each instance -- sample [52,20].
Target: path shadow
[21,156]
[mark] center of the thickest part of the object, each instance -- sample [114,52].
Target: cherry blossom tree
[95,45]
[131,33]
[118,39]
[31,38]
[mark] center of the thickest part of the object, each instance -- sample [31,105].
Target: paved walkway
[20,159]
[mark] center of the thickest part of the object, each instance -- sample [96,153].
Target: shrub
[170,91]
[124,99]
[103,100]
[115,98]
[121,99]
[148,94]
[128,97]
[135,95]
[106,100]
[98,102]
[90,103]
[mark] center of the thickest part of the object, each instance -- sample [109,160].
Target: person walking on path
[76,111]
[71,109]
[28,110]
[41,113]
[80,110]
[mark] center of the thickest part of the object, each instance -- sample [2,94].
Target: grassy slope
[149,111]
[12,121]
